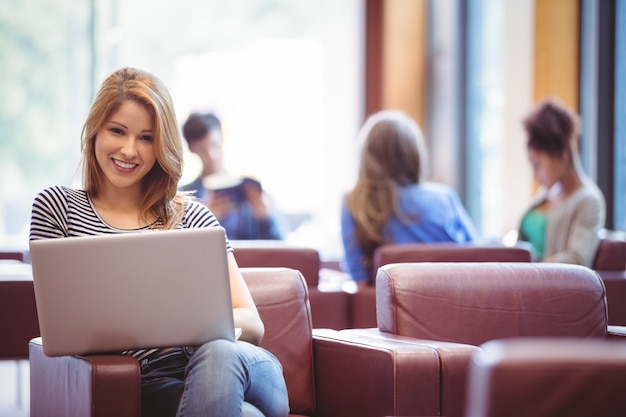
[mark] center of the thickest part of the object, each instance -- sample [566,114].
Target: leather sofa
[328,308]
[370,375]
[453,308]
[548,377]
[363,303]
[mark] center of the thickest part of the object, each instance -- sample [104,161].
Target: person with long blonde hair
[132,163]
[391,202]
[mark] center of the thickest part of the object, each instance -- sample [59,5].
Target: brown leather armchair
[329,309]
[548,377]
[363,303]
[453,308]
[370,374]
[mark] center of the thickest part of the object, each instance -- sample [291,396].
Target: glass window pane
[285,77]
[485,109]
[45,88]
[620,117]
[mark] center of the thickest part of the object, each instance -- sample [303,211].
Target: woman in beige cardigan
[563,222]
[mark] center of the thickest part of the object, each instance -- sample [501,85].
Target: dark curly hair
[552,127]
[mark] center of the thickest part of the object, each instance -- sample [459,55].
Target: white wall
[518,88]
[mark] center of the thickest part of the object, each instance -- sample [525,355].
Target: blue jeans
[220,378]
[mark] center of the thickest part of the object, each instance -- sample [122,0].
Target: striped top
[65,212]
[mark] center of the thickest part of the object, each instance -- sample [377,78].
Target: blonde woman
[391,202]
[132,162]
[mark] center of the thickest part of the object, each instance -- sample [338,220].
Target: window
[603,106]
[45,87]
[497,86]
[283,76]
[619,206]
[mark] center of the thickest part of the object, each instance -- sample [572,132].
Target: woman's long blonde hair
[393,154]
[161,200]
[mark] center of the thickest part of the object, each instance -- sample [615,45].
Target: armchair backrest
[16,255]
[610,255]
[445,252]
[18,313]
[547,377]
[473,303]
[329,308]
[281,296]
[269,253]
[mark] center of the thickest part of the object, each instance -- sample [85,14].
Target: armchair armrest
[454,359]
[77,386]
[359,375]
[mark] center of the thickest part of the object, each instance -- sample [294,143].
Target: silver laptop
[111,293]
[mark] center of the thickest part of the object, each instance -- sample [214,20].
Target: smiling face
[124,147]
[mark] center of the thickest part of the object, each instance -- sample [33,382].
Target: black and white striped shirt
[66,212]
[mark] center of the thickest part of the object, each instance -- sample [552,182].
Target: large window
[284,76]
[497,84]
[603,106]
[44,85]
[485,110]
[620,118]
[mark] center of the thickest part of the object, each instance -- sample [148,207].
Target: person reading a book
[239,203]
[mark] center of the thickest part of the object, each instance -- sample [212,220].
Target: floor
[14,402]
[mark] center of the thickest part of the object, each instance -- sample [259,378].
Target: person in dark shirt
[239,203]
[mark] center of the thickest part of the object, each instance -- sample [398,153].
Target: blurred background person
[391,202]
[569,210]
[239,203]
